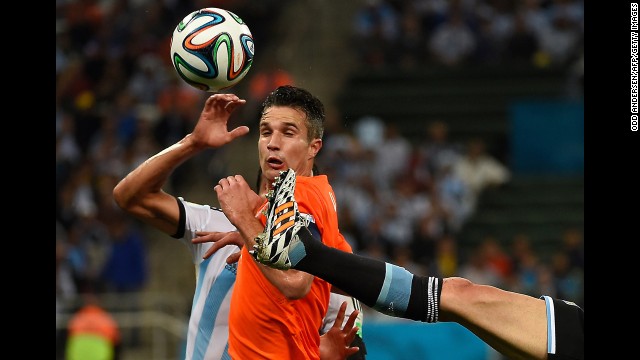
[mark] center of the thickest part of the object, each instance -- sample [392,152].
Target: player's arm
[140,192]
[293,285]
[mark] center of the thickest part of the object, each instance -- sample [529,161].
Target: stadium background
[518,89]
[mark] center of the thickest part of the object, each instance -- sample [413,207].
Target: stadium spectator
[568,280]
[376,25]
[520,249]
[93,333]
[409,49]
[536,17]
[527,275]
[453,196]
[125,270]
[573,247]
[496,257]
[500,22]
[434,152]
[522,45]
[453,42]
[148,79]
[480,170]
[447,256]
[65,287]
[427,231]
[560,40]
[477,269]
[391,157]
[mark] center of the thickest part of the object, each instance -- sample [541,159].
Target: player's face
[283,142]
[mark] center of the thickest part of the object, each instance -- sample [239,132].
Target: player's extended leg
[385,287]
[514,324]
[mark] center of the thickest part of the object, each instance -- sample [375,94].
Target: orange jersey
[263,324]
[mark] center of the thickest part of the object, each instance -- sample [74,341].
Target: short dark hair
[303,100]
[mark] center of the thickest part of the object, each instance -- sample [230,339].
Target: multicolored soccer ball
[212,49]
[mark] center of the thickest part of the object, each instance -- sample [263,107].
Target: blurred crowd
[410,33]
[118,102]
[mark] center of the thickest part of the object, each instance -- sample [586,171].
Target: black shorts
[565,324]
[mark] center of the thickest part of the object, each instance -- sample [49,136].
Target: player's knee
[457,284]
[462,292]
[468,290]
[457,293]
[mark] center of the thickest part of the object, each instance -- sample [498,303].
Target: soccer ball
[212,49]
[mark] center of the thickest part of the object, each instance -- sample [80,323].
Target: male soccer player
[293,304]
[286,305]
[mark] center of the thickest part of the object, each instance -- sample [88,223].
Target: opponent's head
[291,129]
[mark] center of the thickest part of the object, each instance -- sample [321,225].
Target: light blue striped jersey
[208,329]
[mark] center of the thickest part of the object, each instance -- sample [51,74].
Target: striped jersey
[208,328]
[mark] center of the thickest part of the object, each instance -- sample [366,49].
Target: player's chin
[272,171]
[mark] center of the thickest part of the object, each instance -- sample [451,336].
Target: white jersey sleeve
[201,218]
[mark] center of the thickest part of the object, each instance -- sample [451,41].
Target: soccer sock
[382,286]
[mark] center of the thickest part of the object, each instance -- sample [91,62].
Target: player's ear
[314,148]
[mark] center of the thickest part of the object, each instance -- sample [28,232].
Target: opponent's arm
[292,284]
[140,192]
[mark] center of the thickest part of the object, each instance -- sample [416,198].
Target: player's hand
[219,240]
[237,200]
[335,344]
[211,129]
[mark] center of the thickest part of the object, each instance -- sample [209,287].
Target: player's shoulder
[317,180]
[313,191]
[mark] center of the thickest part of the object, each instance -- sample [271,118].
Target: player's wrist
[191,143]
